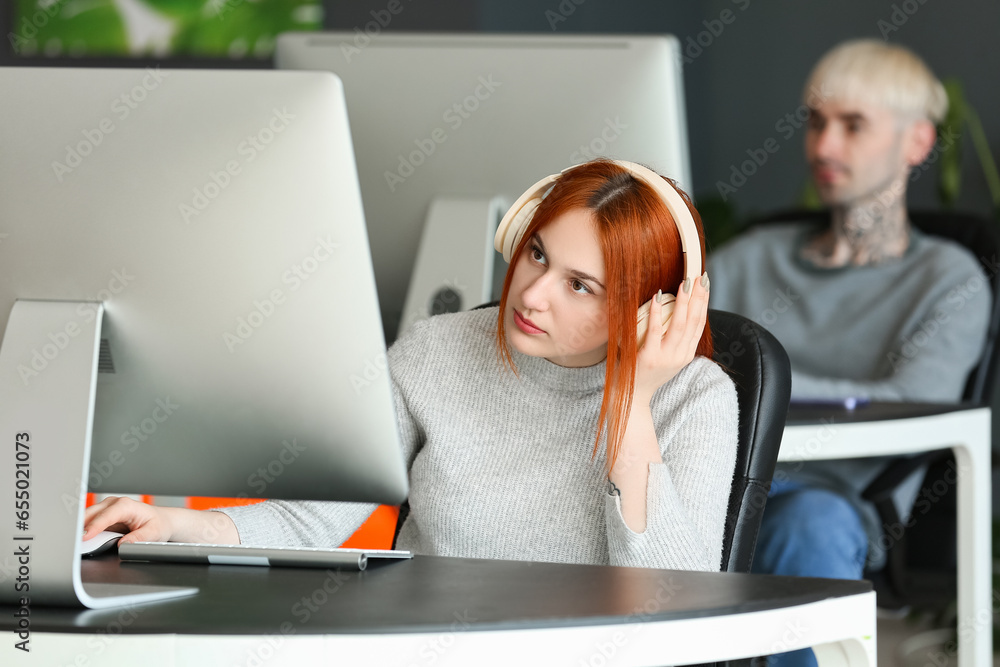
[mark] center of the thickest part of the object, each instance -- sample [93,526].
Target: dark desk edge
[874,411]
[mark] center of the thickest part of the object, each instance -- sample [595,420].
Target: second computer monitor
[453,118]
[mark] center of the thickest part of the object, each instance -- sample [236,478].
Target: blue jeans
[809,532]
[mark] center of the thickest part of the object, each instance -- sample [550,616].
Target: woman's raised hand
[148,523]
[667,350]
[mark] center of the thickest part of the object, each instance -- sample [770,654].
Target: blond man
[865,305]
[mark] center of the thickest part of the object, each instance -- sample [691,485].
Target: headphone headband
[516,220]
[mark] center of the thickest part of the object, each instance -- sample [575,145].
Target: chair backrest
[760,370]
[978,235]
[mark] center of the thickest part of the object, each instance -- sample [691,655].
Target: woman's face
[557,305]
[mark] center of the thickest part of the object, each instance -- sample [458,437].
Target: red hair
[642,254]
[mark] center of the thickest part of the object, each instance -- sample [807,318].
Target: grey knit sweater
[908,329]
[500,465]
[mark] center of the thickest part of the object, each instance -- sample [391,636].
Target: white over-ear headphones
[518,217]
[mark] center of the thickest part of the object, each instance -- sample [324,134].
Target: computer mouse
[98,544]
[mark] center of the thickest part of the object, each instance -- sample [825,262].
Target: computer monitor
[186,290]
[449,128]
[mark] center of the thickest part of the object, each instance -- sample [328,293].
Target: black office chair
[921,564]
[760,370]
[759,367]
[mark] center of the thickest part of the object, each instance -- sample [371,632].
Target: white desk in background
[880,429]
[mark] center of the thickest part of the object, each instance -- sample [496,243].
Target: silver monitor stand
[48,423]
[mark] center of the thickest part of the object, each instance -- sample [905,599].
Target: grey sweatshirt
[905,330]
[500,464]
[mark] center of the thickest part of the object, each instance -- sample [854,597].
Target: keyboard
[238,554]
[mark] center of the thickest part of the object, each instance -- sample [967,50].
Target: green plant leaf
[809,197]
[982,146]
[239,28]
[92,28]
[950,168]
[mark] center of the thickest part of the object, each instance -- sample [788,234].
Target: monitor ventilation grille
[105,364]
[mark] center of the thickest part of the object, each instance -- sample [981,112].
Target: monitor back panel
[218,217]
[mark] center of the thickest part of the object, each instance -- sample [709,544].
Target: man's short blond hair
[875,72]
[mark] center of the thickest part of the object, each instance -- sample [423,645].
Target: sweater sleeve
[930,360]
[324,523]
[687,496]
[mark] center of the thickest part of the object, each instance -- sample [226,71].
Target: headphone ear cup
[516,219]
[515,228]
[666,309]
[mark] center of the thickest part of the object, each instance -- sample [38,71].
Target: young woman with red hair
[541,429]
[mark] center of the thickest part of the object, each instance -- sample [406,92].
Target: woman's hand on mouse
[148,523]
[667,350]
